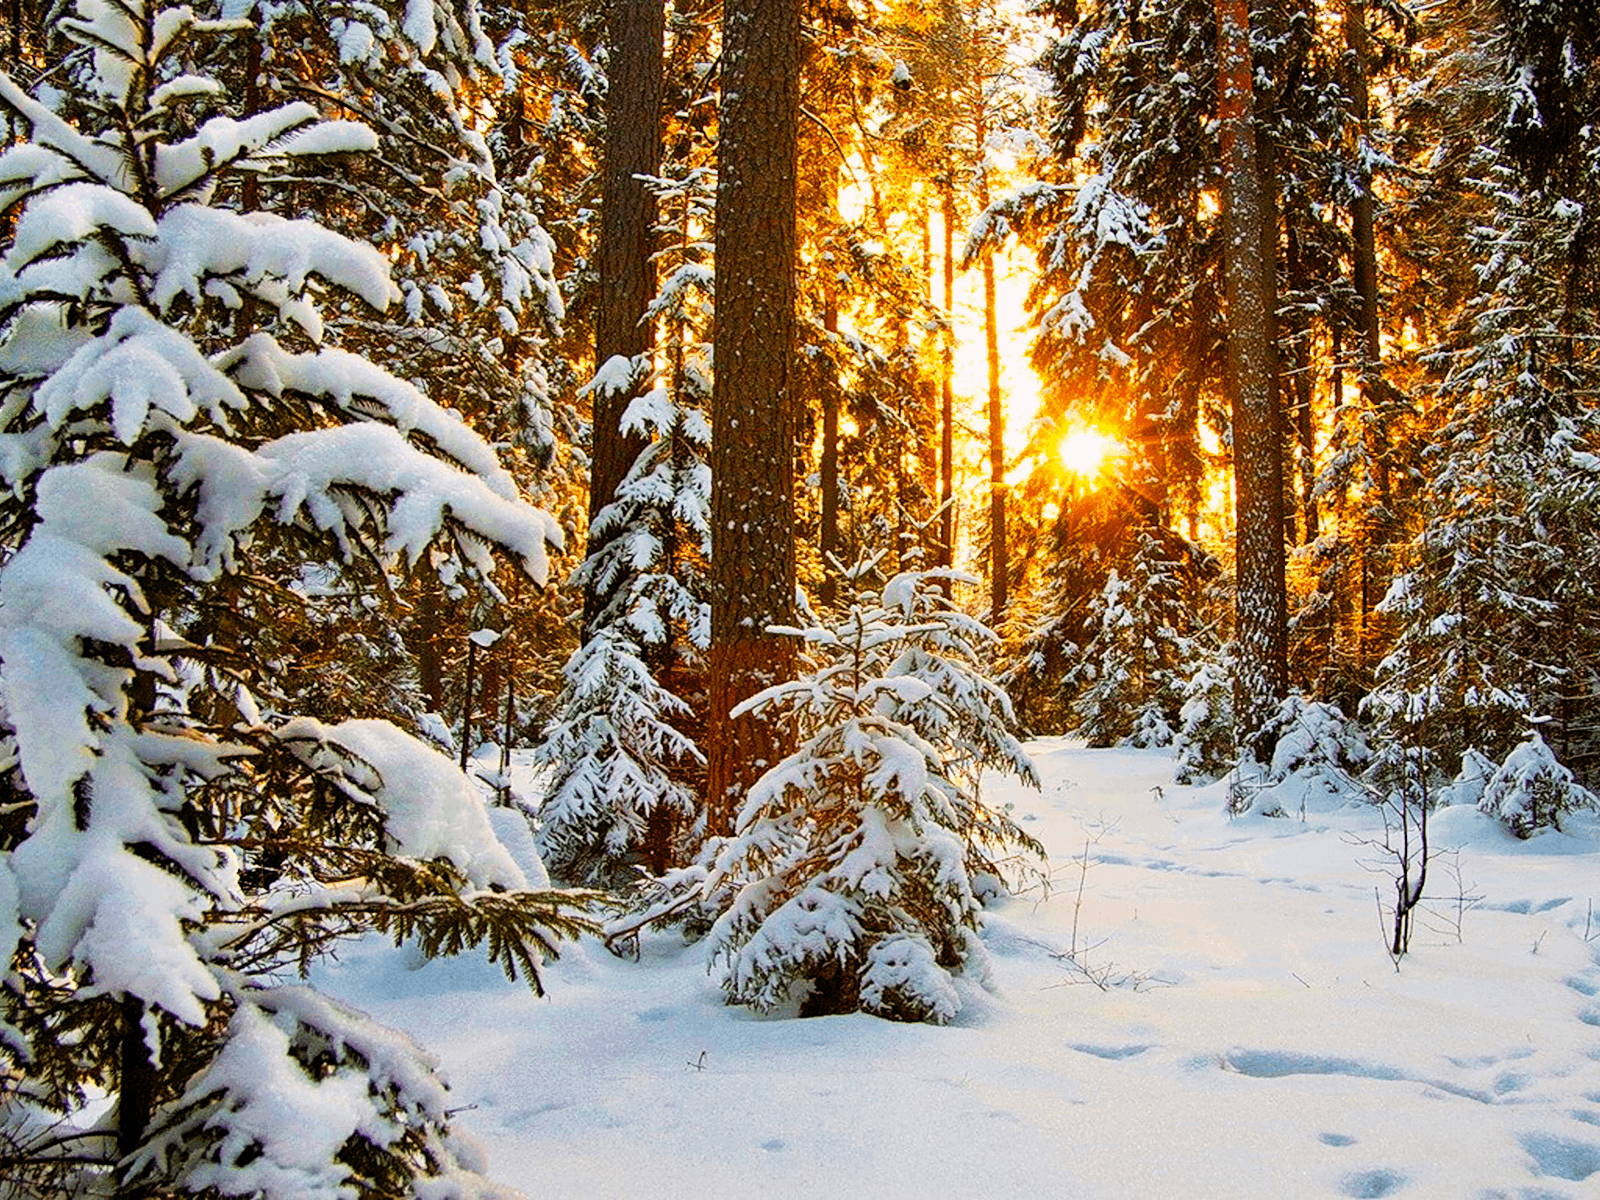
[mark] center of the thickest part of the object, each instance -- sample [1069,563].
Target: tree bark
[136,1081]
[1376,516]
[999,558]
[752,474]
[636,39]
[1305,433]
[828,467]
[1261,662]
[947,513]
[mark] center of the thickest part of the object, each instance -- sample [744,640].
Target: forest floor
[1211,1013]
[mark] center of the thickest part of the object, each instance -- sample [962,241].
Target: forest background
[380,381]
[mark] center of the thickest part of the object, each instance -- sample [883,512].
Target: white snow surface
[1252,1037]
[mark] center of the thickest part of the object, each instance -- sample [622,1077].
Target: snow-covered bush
[1477,768]
[853,858]
[1318,754]
[1531,790]
[176,444]
[1313,741]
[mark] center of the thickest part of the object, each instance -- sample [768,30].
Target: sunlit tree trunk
[1301,389]
[627,216]
[1261,670]
[828,466]
[752,488]
[828,384]
[999,561]
[947,472]
[1376,524]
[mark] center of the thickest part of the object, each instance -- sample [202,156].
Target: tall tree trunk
[1305,433]
[828,467]
[752,473]
[1261,667]
[1376,518]
[999,558]
[1267,189]
[947,470]
[636,38]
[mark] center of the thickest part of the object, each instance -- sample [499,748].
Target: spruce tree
[1139,655]
[850,875]
[176,848]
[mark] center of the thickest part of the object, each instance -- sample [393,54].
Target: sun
[1084,452]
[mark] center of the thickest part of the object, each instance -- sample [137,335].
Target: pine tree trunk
[627,219]
[999,559]
[947,507]
[999,556]
[136,1081]
[1261,670]
[828,466]
[1376,519]
[425,642]
[752,474]
[1305,434]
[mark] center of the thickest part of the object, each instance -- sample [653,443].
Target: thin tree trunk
[1305,433]
[752,475]
[947,515]
[999,558]
[1376,519]
[627,219]
[828,467]
[1261,670]
[425,642]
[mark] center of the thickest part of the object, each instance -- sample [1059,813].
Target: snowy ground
[1252,1037]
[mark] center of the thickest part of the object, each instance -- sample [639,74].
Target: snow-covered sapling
[851,868]
[1532,790]
[1204,742]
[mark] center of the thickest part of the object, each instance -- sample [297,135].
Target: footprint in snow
[1380,1182]
[1110,1052]
[1336,1139]
[1583,986]
[1562,1157]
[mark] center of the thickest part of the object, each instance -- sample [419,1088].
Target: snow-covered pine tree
[1496,607]
[1205,744]
[1139,655]
[619,756]
[172,851]
[1531,790]
[852,858]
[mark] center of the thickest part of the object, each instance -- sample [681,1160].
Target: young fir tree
[172,850]
[1531,790]
[851,867]
[1139,653]
[1204,743]
[618,749]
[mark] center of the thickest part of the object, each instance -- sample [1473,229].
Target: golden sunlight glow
[1084,452]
